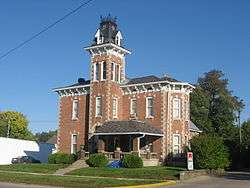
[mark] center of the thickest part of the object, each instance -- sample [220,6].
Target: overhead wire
[45,29]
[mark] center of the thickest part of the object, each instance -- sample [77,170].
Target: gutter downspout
[139,141]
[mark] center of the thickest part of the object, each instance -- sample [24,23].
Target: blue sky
[180,38]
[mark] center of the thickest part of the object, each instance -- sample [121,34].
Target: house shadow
[42,151]
[238,175]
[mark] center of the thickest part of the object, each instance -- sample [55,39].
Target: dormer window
[118,38]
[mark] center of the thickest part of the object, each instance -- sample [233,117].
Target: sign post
[190,163]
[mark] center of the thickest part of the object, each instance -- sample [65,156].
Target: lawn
[162,173]
[34,168]
[68,181]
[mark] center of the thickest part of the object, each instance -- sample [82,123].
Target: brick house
[114,115]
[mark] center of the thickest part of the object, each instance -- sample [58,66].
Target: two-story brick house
[145,115]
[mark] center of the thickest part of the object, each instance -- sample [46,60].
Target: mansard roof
[127,127]
[149,79]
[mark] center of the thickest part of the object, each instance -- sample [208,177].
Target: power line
[45,29]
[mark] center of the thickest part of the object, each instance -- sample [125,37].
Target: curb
[166,183]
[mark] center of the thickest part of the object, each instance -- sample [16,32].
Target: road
[11,185]
[233,180]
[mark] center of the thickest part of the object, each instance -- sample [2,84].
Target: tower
[107,72]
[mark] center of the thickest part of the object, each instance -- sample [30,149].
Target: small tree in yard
[209,152]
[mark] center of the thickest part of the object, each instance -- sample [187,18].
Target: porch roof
[127,128]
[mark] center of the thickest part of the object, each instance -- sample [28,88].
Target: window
[98,106]
[149,107]
[74,144]
[112,71]
[117,70]
[133,107]
[104,70]
[114,107]
[187,110]
[75,109]
[176,108]
[96,71]
[176,145]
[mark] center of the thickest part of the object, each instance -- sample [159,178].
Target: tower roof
[108,31]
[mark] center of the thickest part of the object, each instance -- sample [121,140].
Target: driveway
[232,180]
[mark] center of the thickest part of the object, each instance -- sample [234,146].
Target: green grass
[162,173]
[68,181]
[34,168]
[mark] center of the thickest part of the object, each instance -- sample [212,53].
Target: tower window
[96,71]
[104,70]
[149,107]
[75,110]
[117,73]
[112,71]
[133,107]
[114,107]
[98,106]
[176,108]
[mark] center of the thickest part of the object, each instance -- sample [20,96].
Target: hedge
[97,160]
[132,161]
[209,152]
[61,158]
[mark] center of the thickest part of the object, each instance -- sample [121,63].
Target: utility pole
[239,127]
[8,128]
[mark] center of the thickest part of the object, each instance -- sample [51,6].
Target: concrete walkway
[76,165]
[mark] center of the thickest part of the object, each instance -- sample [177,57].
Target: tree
[213,107]
[245,149]
[209,152]
[44,136]
[16,124]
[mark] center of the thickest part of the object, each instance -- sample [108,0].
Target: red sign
[190,164]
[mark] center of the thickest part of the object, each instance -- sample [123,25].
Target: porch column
[136,146]
[100,146]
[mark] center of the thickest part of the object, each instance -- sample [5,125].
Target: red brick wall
[67,126]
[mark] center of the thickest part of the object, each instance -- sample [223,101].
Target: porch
[118,138]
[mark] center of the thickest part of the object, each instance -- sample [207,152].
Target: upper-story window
[176,108]
[75,109]
[114,107]
[104,70]
[96,71]
[133,107]
[117,73]
[98,106]
[149,107]
[112,71]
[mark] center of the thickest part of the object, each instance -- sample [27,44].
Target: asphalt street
[232,181]
[11,185]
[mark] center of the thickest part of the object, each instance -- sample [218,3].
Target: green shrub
[209,152]
[61,158]
[132,161]
[97,160]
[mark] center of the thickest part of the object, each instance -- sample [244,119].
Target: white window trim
[72,136]
[116,107]
[131,107]
[98,115]
[179,144]
[179,108]
[147,115]
[75,114]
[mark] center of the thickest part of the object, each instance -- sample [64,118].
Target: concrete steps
[76,165]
